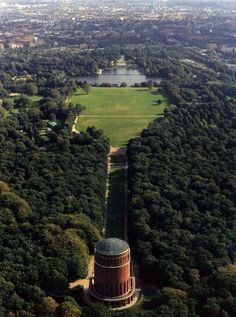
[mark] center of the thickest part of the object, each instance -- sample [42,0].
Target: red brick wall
[112,274]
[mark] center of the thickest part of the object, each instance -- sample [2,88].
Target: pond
[118,75]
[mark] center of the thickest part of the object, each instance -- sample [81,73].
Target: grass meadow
[122,113]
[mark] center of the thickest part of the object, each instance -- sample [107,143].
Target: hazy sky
[179,2]
[144,1]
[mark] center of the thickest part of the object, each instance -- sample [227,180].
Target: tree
[54,93]
[86,88]
[2,112]
[150,85]
[57,286]
[174,308]
[21,102]
[31,89]
[7,104]
[48,306]
[3,93]
[99,310]
[69,309]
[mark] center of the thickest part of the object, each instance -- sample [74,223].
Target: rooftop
[112,246]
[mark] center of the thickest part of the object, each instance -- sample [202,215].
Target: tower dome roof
[111,246]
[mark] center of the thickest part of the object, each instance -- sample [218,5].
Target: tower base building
[113,283]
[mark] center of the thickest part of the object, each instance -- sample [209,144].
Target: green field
[121,112]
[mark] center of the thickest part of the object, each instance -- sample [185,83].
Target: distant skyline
[115,1]
[122,3]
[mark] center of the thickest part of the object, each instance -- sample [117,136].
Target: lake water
[118,76]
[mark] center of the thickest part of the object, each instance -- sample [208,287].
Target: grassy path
[116,200]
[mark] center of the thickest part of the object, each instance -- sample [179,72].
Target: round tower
[112,282]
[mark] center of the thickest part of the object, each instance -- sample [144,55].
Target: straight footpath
[116,209]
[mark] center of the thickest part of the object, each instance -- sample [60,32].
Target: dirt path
[84,282]
[14,94]
[117,151]
[74,130]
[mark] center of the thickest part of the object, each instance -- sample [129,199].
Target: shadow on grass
[159,119]
[79,94]
[156,103]
[141,90]
[155,92]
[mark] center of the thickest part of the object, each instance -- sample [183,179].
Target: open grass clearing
[121,112]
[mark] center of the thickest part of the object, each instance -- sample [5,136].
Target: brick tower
[112,282]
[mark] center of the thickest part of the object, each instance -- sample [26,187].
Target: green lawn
[121,112]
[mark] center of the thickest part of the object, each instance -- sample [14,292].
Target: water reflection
[118,76]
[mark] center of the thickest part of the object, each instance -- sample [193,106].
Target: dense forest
[182,200]
[52,192]
[182,187]
[177,62]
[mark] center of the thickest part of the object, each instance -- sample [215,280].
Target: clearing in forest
[122,113]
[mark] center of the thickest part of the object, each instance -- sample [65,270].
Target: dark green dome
[111,246]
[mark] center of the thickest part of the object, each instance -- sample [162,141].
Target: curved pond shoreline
[118,75]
